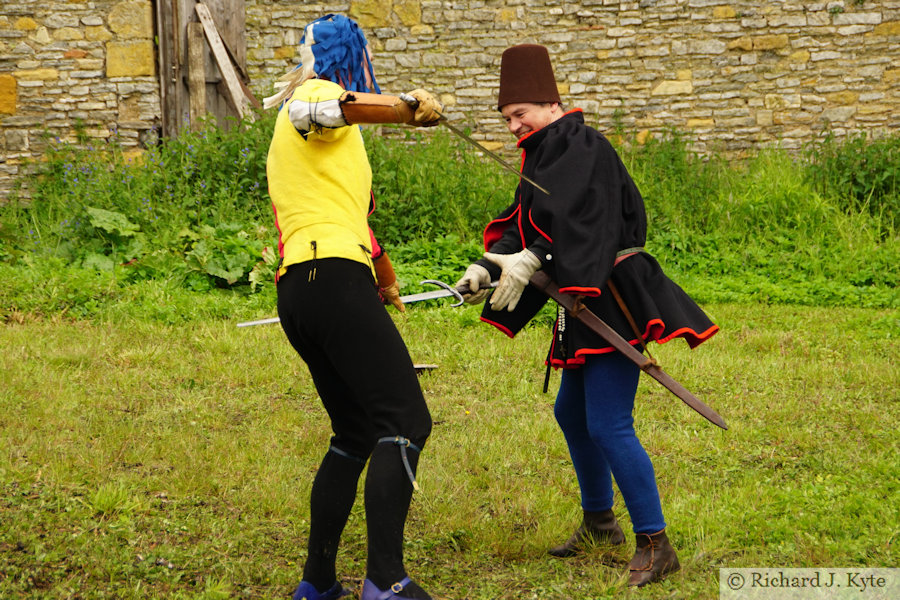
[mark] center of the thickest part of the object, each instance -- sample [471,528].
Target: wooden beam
[196,73]
[232,83]
[231,23]
[168,67]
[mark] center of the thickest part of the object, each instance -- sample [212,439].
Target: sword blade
[446,122]
[445,292]
[490,153]
[543,282]
[432,295]
[259,322]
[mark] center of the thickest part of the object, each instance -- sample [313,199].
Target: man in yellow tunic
[329,280]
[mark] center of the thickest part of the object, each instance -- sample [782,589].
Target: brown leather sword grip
[362,107]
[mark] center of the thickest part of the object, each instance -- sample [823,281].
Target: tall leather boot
[654,558]
[596,527]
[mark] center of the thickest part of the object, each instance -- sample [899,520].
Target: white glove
[478,279]
[517,270]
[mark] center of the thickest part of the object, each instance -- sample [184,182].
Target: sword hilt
[457,293]
[414,104]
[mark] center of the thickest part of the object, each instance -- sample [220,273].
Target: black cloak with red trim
[593,213]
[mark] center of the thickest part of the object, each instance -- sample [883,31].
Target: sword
[446,290]
[543,282]
[444,121]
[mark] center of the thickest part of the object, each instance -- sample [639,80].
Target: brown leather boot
[654,558]
[597,528]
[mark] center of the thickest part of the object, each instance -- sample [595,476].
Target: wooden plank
[249,94]
[233,28]
[172,18]
[166,15]
[230,24]
[196,74]
[220,104]
[232,84]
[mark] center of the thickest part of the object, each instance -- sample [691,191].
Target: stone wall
[67,65]
[734,76]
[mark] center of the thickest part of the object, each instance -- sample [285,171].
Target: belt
[623,254]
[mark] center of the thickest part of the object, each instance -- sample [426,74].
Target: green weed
[112,500]
[161,216]
[859,173]
[431,184]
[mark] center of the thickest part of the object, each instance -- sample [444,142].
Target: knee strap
[403,443]
[340,452]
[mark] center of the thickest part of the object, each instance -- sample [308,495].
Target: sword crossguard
[453,291]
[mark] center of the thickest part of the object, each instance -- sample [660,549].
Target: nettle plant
[861,172]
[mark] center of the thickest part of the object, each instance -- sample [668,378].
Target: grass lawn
[141,460]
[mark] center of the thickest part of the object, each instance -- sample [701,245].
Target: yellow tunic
[320,184]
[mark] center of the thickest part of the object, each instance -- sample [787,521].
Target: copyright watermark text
[806,584]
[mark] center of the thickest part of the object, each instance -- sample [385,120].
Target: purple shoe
[306,591]
[371,592]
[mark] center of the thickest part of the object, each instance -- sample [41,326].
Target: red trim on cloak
[580,291]
[655,328]
[538,229]
[693,338]
[592,291]
[493,231]
[498,326]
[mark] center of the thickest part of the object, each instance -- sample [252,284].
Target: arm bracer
[350,109]
[361,107]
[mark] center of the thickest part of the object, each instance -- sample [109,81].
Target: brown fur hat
[526,75]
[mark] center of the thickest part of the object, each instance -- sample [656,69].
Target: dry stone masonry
[67,65]
[734,76]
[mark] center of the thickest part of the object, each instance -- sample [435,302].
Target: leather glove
[517,270]
[476,277]
[387,281]
[426,112]
[391,293]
